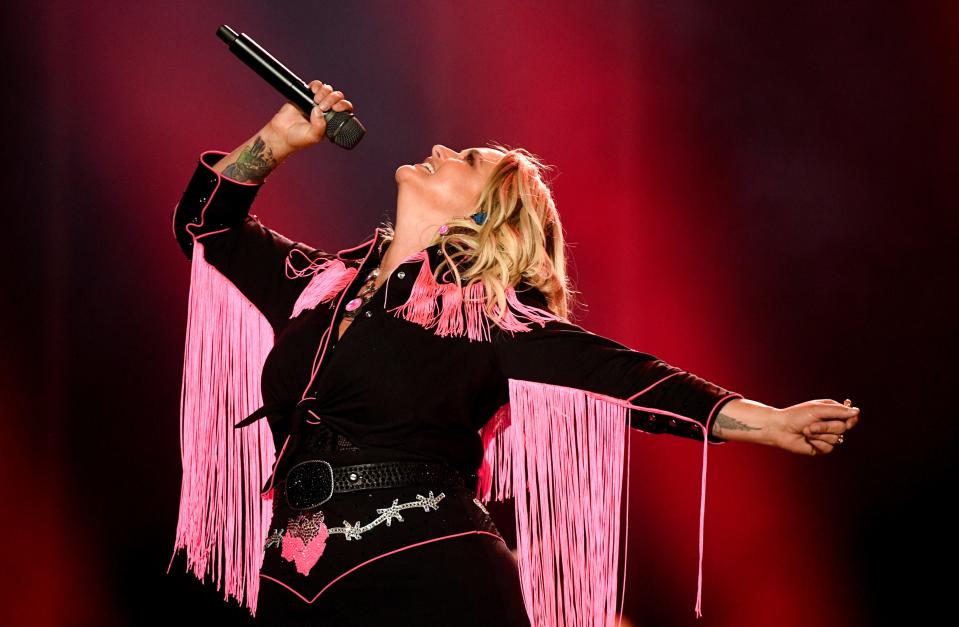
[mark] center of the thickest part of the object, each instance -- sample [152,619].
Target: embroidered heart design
[305,541]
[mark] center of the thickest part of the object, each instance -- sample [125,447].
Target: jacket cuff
[692,397]
[212,202]
[712,439]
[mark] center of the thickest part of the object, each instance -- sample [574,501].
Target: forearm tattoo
[253,164]
[724,421]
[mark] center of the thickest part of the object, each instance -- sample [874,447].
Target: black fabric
[468,581]
[425,512]
[391,387]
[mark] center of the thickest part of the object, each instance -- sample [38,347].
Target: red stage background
[760,193]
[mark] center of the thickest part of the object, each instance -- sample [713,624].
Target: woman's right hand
[290,127]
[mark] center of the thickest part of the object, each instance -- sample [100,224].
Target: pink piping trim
[220,176]
[325,341]
[664,412]
[359,246]
[317,358]
[641,392]
[312,265]
[373,559]
[713,414]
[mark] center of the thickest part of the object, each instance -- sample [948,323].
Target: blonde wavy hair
[521,240]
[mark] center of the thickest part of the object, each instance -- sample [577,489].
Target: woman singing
[346,416]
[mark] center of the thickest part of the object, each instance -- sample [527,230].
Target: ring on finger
[839,439]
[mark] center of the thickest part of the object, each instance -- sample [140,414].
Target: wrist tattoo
[728,422]
[253,164]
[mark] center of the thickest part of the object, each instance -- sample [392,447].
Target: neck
[413,232]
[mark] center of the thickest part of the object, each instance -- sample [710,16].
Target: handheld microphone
[342,127]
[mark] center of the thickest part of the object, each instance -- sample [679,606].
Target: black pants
[462,581]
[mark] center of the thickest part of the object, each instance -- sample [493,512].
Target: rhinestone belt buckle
[309,484]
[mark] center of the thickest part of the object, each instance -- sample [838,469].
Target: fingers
[320,92]
[343,105]
[828,438]
[831,410]
[326,97]
[833,418]
[830,420]
[820,447]
[822,427]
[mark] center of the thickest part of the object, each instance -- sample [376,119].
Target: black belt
[313,482]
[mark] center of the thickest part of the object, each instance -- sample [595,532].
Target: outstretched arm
[561,353]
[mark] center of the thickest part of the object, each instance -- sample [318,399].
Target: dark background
[760,193]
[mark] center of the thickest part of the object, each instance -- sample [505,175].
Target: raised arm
[286,133]
[215,210]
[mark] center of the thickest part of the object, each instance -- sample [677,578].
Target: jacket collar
[375,243]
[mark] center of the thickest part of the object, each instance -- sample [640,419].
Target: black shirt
[396,387]
[390,386]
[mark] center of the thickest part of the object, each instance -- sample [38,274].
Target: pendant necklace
[365,294]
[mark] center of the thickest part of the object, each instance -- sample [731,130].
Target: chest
[342,327]
[370,288]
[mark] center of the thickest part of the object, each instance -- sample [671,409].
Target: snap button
[400,275]
[369,314]
[352,476]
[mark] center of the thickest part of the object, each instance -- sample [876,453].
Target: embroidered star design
[352,532]
[430,501]
[391,512]
[275,539]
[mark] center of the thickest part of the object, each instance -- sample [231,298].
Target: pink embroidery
[305,541]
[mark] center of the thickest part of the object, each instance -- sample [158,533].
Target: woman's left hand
[814,427]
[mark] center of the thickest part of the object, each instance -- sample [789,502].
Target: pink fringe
[223,520]
[558,451]
[330,277]
[462,312]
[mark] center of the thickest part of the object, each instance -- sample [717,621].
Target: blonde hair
[520,240]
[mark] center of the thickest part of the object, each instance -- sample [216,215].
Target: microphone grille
[344,129]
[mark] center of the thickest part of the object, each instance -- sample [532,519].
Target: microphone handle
[342,127]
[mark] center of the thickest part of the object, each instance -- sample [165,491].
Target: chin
[406,172]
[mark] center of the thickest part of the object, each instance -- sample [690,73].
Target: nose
[440,151]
